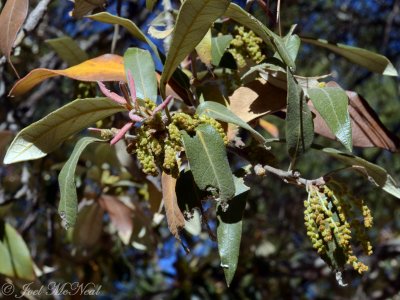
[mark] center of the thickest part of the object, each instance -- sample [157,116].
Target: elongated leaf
[299,124]
[241,16]
[45,135]
[218,47]
[11,19]
[68,50]
[332,104]
[367,129]
[292,44]
[68,207]
[208,161]
[229,230]
[15,258]
[107,67]
[175,218]
[367,59]
[128,25]
[194,20]
[141,64]
[203,49]
[219,112]
[374,173]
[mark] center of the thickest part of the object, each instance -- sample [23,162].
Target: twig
[278,17]
[115,38]
[292,177]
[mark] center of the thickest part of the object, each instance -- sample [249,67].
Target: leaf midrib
[59,124]
[201,138]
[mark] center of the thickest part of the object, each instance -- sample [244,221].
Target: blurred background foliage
[276,259]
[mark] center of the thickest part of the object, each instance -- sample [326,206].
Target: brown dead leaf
[12,17]
[368,130]
[89,224]
[257,99]
[175,218]
[120,216]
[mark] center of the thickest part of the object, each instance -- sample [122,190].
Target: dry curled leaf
[11,19]
[257,99]
[175,218]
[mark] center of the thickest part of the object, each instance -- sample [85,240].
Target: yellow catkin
[327,220]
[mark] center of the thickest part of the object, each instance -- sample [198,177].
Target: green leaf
[189,200]
[203,49]
[195,18]
[208,161]
[219,112]
[292,44]
[15,258]
[218,47]
[68,50]
[141,64]
[229,230]
[299,123]
[45,135]
[332,104]
[150,4]
[241,16]
[128,25]
[374,173]
[68,207]
[372,61]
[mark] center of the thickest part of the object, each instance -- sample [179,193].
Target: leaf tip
[390,70]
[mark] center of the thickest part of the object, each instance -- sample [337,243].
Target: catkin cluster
[246,45]
[332,224]
[158,145]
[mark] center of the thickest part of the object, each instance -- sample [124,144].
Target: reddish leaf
[120,215]
[89,224]
[175,218]
[108,67]
[368,130]
[11,19]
